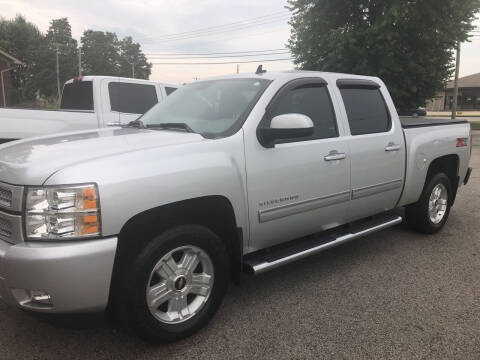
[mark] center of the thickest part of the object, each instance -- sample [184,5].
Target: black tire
[138,316]
[417,215]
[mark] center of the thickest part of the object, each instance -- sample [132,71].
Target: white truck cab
[87,102]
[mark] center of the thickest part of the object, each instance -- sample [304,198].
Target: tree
[104,54]
[130,53]
[100,53]
[59,35]
[24,41]
[409,44]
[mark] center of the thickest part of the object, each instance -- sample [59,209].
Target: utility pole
[133,70]
[238,68]
[58,72]
[455,84]
[79,61]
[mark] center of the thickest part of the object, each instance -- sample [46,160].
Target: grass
[475,125]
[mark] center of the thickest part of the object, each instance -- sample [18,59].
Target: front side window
[366,110]
[132,98]
[213,107]
[313,101]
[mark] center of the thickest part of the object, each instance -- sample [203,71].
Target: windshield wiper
[136,123]
[171,126]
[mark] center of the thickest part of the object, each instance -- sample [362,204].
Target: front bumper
[76,274]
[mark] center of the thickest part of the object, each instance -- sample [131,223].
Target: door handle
[392,147]
[335,155]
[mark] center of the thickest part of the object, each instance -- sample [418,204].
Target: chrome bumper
[76,275]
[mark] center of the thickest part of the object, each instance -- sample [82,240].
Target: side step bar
[258,263]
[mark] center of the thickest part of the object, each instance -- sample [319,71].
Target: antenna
[260,70]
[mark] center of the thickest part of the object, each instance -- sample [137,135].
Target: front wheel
[430,213]
[177,283]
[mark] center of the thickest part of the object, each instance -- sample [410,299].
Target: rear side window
[77,96]
[366,110]
[169,90]
[314,101]
[132,98]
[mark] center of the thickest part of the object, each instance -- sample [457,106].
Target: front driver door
[297,187]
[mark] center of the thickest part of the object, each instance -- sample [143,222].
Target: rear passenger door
[131,100]
[376,147]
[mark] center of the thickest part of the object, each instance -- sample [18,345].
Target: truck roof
[294,74]
[102,77]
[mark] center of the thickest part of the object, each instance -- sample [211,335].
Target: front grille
[5,197]
[5,229]
[11,228]
[11,197]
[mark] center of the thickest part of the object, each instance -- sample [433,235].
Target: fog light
[40,297]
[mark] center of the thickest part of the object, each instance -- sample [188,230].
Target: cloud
[149,21]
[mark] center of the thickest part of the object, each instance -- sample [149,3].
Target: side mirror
[285,127]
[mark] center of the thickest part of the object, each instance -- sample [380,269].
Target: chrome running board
[263,261]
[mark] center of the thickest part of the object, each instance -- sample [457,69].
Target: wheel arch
[215,212]
[448,164]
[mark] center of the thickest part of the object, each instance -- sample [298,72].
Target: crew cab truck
[232,174]
[87,102]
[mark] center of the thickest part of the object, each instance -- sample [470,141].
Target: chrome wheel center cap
[180,283]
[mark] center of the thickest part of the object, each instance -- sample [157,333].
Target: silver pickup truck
[233,174]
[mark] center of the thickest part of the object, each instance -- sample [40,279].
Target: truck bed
[413,122]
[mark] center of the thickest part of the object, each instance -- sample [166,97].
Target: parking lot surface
[394,294]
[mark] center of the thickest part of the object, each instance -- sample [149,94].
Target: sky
[155,24]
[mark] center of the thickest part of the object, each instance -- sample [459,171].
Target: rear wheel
[176,284]
[430,213]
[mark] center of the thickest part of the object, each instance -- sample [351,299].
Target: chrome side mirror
[285,127]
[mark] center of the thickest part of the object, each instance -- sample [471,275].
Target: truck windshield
[212,108]
[77,96]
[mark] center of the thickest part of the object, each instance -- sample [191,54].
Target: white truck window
[169,90]
[132,98]
[314,101]
[366,110]
[77,95]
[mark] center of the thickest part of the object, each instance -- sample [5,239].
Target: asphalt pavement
[392,295]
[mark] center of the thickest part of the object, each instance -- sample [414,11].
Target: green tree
[59,35]
[130,53]
[104,54]
[24,41]
[100,53]
[409,44]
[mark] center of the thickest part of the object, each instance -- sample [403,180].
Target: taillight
[461,142]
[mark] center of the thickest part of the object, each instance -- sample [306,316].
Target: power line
[255,19]
[226,28]
[217,32]
[219,63]
[215,53]
[216,57]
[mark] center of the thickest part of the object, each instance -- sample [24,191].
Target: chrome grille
[5,197]
[11,228]
[11,197]
[5,229]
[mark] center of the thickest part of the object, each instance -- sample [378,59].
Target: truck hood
[32,161]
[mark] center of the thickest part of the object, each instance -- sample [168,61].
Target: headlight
[63,212]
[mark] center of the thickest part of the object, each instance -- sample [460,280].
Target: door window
[314,101]
[366,110]
[132,98]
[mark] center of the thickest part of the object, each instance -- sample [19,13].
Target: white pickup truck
[87,102]
[237,173]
